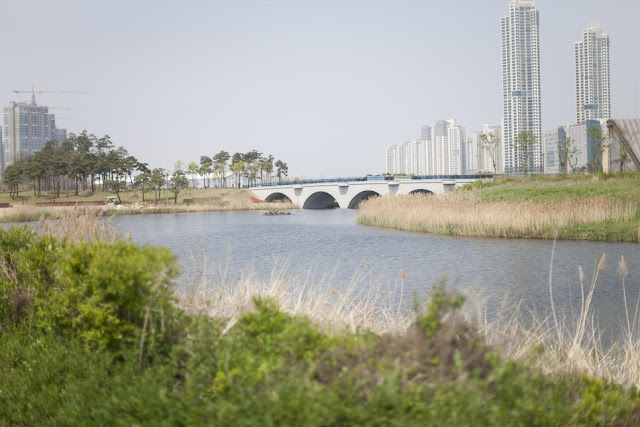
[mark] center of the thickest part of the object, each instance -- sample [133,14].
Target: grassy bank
[201,200]
[93,331]
[604,208]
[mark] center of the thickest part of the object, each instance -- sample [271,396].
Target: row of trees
[80,162]
[84,162]
[158,179]
[249,168]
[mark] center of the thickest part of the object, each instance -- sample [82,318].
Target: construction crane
[33,92]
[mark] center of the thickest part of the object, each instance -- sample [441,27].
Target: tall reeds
[28,213]
[559,344]
[81,224]
[463,215]
[364,303]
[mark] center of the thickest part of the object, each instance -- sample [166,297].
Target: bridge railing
[369,178]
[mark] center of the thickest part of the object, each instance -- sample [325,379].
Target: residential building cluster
[442,149]
[518,145]
[26,129]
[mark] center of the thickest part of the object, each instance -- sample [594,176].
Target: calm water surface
[328,246]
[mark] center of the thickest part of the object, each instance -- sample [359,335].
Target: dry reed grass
[560,345]
[461,214]
[207,206]
[81,224]
[28,213]
[365,304]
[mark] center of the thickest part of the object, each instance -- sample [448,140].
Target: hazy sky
[323,85]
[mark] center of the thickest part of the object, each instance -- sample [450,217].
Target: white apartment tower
[521,83]
[593,94]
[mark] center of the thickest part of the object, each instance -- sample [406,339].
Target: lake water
[328,246]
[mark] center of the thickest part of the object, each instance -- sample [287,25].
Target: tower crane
[33,92]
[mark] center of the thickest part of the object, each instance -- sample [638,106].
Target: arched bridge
[349,194]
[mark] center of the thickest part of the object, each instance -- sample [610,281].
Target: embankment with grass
[93,330]
[586,207]
[201,200]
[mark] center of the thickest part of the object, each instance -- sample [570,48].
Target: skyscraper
[27,127]
[521,85]
[593,96]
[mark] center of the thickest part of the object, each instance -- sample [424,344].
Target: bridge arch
[422,191]
[320,200]
[361,197]
[278,197]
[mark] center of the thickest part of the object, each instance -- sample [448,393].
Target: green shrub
[112,290]
[28,272]
[107,293]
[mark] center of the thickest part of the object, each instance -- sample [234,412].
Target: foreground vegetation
[581,207]
[92,332]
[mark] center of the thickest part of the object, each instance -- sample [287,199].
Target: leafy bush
[111,292]
[28,273]
[107,293]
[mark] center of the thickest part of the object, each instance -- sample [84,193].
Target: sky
[322,85]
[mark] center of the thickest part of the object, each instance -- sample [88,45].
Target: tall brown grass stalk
[572,345]
[81,224]
[365,303]
[29,213]
[461,214]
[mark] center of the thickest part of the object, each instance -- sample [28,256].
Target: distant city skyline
[324,86]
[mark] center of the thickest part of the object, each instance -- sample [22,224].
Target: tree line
[84,163]
[246,168]
[81,162]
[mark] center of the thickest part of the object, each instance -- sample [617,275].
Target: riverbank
[594,207]
[200,200]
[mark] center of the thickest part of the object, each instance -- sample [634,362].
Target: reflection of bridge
[349,193]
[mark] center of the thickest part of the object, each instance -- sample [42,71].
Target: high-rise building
[425,133]
[554,140]
[521,93]
[27,127]
[593,95]
[441,153]
[473,153]
[455,150]
[575,148]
